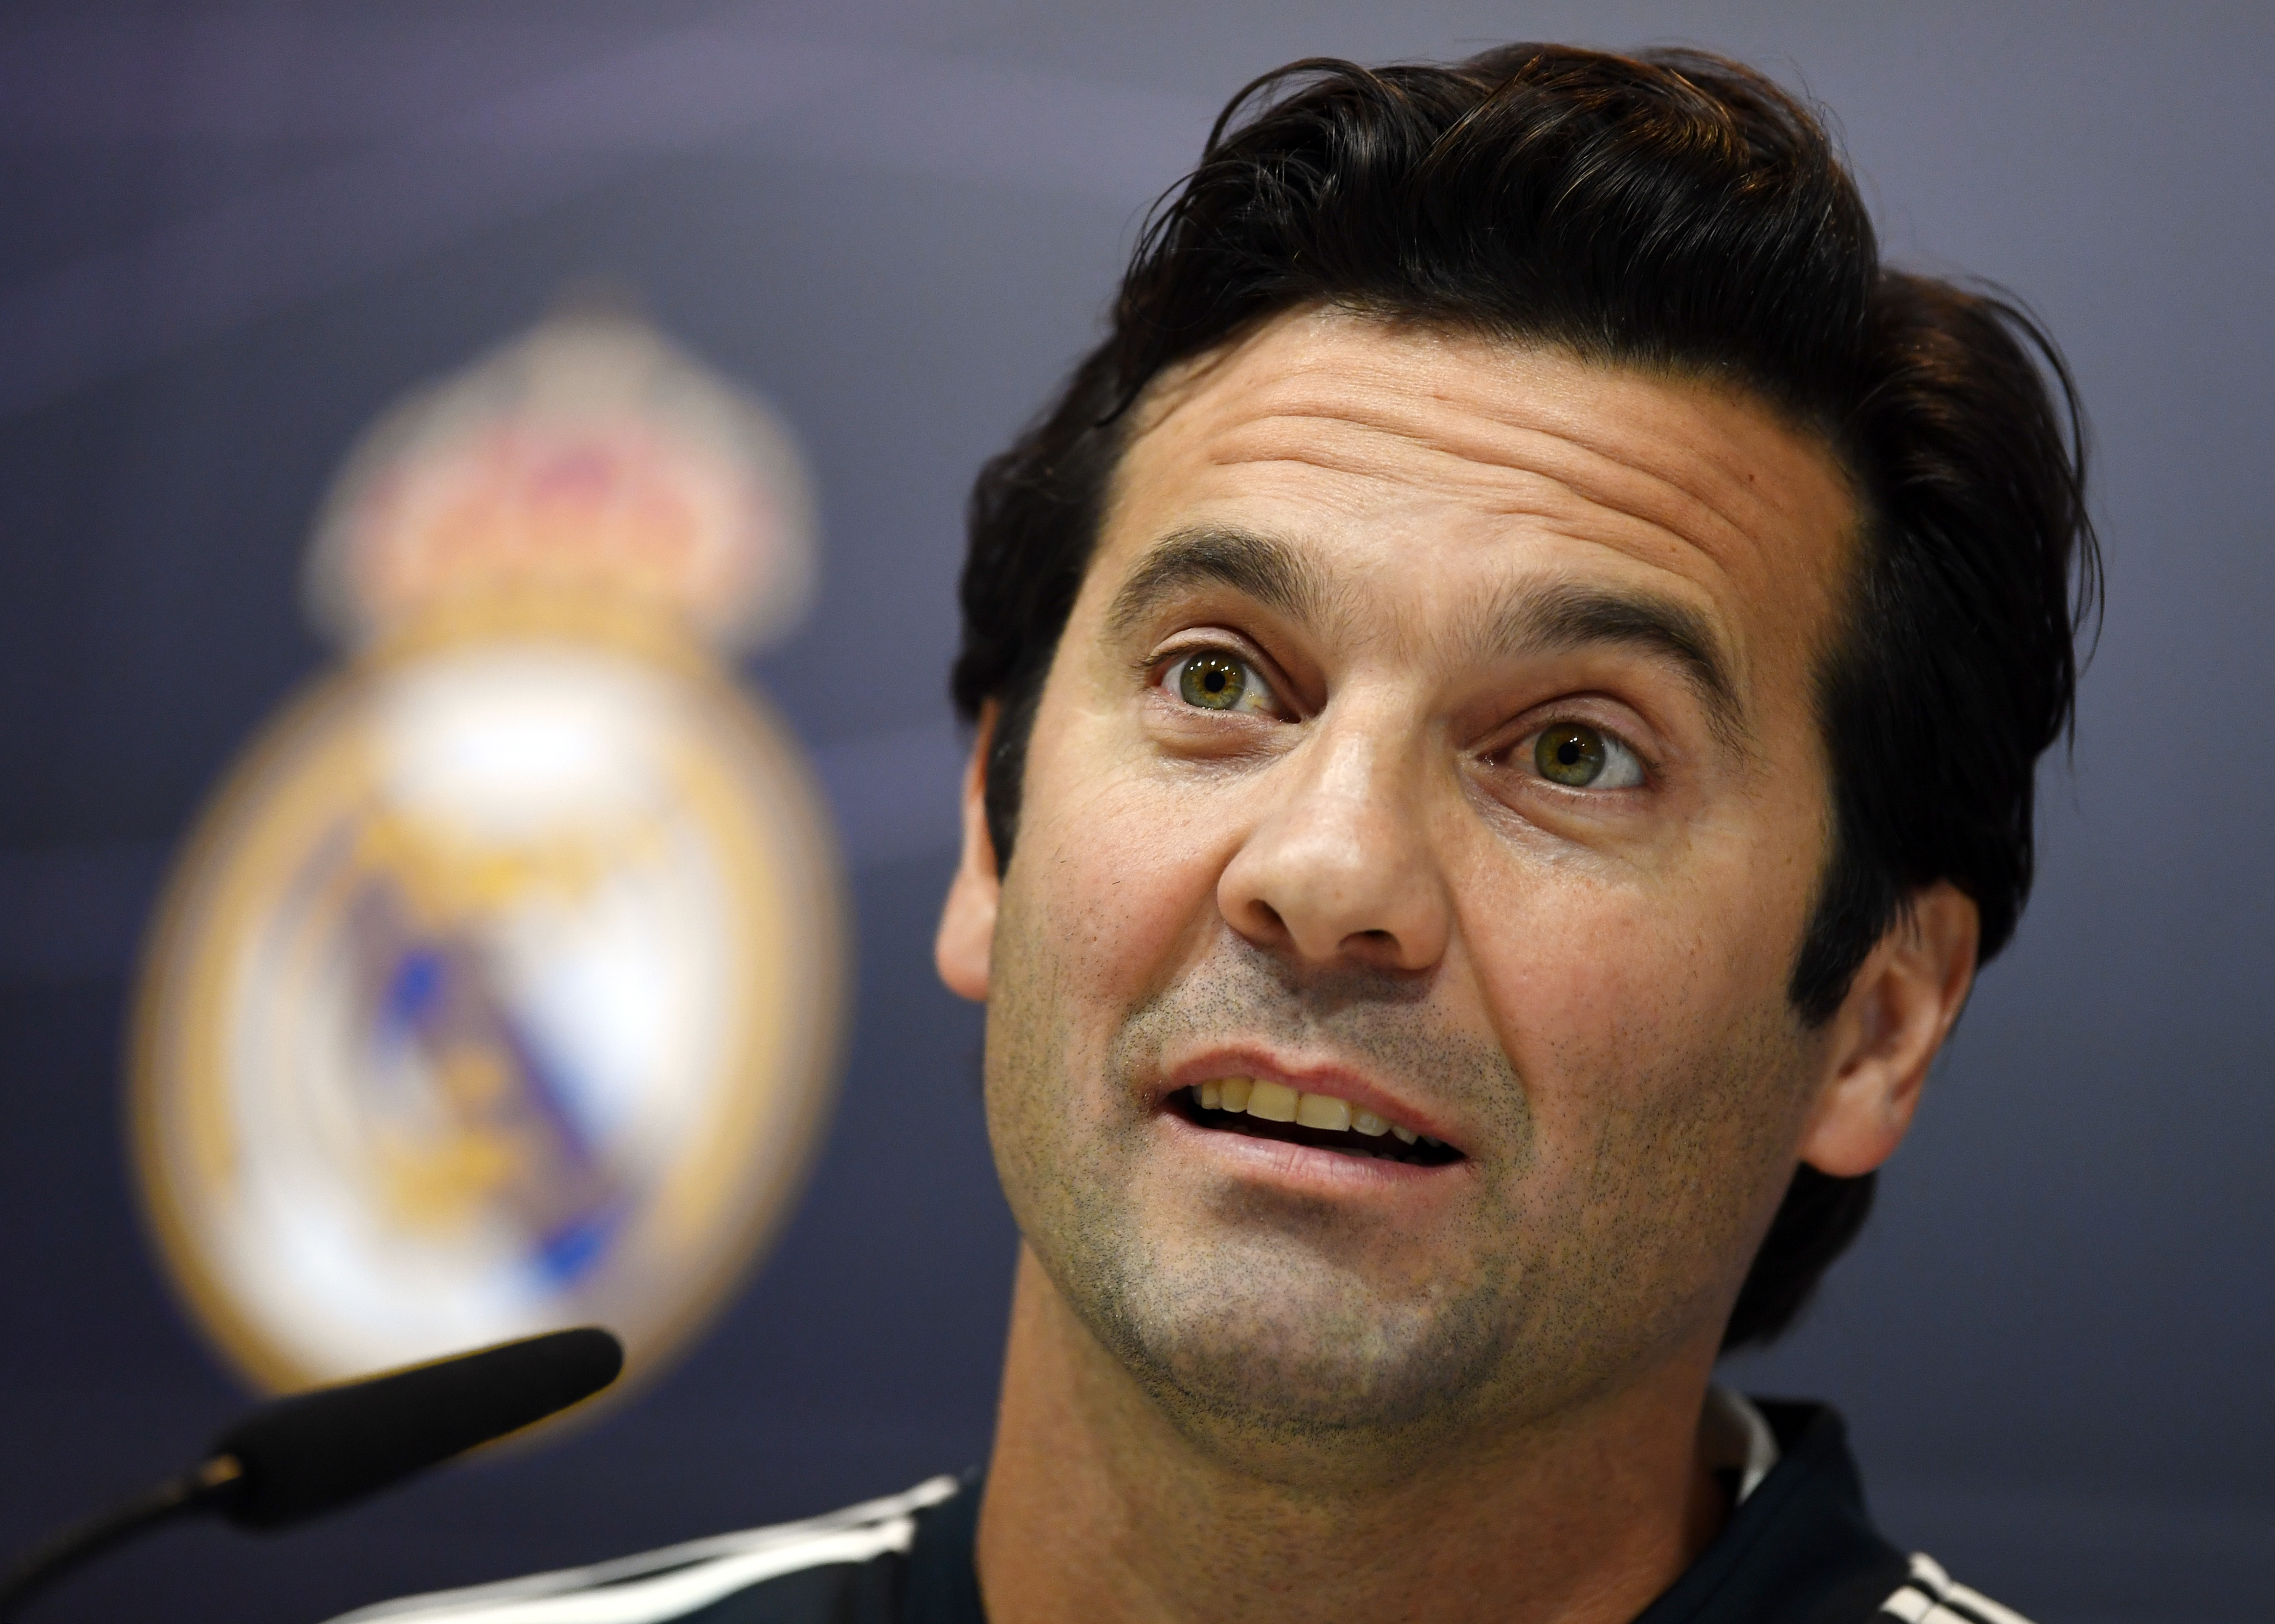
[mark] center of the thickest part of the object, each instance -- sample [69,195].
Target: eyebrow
[1257,566]
[1566,615]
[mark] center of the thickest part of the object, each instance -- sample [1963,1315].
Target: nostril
[1379,948]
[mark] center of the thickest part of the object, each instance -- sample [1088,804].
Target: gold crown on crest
[589,461]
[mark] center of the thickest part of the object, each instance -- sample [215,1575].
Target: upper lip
[1307,1078]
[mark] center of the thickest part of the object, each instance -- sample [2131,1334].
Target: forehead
[1423,466]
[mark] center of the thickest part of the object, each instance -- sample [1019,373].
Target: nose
[1342,869]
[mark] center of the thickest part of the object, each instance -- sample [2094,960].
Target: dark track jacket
[1797,1549]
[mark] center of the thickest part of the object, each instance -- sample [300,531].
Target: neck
[1098,1507]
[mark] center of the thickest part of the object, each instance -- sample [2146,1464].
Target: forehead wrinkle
[1713,516]
[1409,391]
[1555,505]
[1754,474]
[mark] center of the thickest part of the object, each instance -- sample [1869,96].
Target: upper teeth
[1276,1102]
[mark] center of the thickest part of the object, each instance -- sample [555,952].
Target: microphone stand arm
[194,1490]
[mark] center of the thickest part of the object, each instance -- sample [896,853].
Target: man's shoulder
[1800,1547]
[848,1567]
[1798,1550]
[1930,1595]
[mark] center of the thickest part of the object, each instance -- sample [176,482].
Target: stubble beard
[1264,1326]
[1264,1321]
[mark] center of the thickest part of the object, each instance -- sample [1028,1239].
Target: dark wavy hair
[1678,214]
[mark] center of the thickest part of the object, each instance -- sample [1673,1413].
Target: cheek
[1109,888]
[1666,1081]
[1114,869]
[1606,992]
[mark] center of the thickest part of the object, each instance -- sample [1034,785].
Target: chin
[1299,1347]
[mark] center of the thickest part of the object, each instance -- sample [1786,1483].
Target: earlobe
[1886,1033]
[966,946]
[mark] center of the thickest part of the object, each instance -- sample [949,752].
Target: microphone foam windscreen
[309,1453]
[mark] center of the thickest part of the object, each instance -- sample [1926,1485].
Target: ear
[1885,1036]
[966,942]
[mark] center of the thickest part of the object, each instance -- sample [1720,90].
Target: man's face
[1430,754]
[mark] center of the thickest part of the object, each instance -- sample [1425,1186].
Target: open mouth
[1267,1110]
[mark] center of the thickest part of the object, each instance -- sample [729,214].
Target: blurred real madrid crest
[500,987]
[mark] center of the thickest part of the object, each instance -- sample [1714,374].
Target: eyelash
[1165,673]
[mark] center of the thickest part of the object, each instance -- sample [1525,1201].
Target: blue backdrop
[233,232]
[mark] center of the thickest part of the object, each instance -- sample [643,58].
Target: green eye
[1569,753]
[1212,682]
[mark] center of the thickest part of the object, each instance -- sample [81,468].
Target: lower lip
[1305,1167]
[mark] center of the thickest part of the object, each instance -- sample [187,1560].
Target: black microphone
[303,1455]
